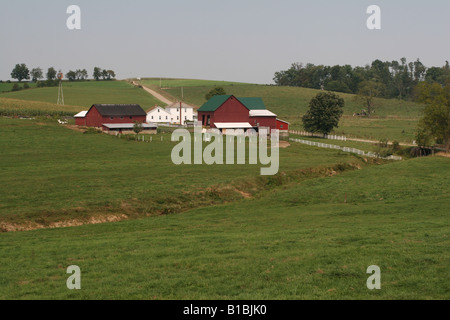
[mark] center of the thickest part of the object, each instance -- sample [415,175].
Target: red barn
[80,118]
[99,114]
[282,125]
[229,111]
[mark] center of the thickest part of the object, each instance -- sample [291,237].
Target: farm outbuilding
[80,118]
[228,109]
[99,114]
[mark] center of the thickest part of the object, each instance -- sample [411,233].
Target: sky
[233,40]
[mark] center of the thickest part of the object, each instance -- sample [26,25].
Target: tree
[97,73]
[435,123]
[367,92]
[20,72]
[137,127]
[325,111]
[71,75]
[51,74]
[104,74]
[111,74]
[218,91]
[36,74]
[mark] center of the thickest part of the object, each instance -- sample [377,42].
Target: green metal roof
[215,102]
[253,103]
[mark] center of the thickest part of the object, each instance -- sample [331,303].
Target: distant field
[8,86]
[12,107]
[88,93]
[312,240]
[175,83]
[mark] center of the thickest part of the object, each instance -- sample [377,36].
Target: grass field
[220,231]
[55,174]
[312,240]
[394,119]
[177,83]
[88,93]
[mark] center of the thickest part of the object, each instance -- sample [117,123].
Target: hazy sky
[245,40]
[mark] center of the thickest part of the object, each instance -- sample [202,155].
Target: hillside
[394,119]
[313,240]
[87,93]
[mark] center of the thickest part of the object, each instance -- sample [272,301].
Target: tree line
[389,79]
[21,72]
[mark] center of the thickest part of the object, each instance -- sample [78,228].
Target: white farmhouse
[158,115]
[181,112]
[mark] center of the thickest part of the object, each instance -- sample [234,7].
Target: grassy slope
[394,119]
[53,173]
[88,93]
[301,242]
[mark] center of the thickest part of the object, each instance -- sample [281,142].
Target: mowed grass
[55,174]
[87,93]
[312,240]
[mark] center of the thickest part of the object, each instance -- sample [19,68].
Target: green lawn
[311,240]
[87,93]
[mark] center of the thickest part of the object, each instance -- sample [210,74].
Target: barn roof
[253,103]
[215,102]
[82,114]
[117,110]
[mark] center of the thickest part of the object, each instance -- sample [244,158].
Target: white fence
[345,149]
[309,134]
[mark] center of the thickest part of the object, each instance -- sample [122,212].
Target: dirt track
[155,94]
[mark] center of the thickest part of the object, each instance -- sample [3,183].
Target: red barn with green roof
[229,111]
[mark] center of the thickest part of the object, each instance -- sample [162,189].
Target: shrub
[16,87]
[26,86]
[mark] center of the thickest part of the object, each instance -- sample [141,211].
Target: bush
[396,146]
[92,131]
[26,86]
[16,87]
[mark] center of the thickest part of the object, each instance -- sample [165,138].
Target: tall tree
[435,123]
[325,111]
[51,73]
[367,92]
[71,75]
[36,74]
[111,74]
[97,73]
[20,72]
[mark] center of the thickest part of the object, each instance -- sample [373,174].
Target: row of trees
[21,72]
[393,79]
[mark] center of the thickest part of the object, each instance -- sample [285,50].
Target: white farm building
[176,113]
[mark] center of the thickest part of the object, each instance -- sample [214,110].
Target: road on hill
[155,94]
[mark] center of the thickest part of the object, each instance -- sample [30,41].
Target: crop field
[87,93]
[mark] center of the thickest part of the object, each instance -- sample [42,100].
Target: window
[158,110]
[159,117]
[185,118]
[178,118]
[281,126]
[152,117]
[167,118]
[131,117]
[111,118]
[178,109]
[185,110]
